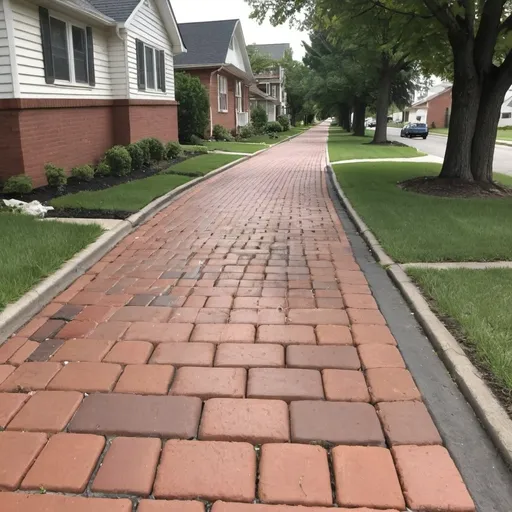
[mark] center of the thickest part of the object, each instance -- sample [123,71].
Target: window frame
[239,96]
[506,115]
[158,88]
[221,79]
[70,23]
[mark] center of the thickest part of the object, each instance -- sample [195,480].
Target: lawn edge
[17,314]
[486,406]
[497,143]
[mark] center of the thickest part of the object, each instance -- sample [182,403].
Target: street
[436,145]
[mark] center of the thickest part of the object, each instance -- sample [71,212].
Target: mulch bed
[443,187]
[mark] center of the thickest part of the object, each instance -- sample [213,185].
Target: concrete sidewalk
[229,351]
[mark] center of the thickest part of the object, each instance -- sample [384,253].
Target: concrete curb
[499,142]
[487,408]
[20,312]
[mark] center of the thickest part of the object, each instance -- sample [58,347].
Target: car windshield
[418,125]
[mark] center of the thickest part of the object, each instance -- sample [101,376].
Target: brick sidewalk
[228,351]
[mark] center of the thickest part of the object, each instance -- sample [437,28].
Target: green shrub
[156,149]
[196,141]
[274,127]
[273,135]
[246,132]
[194,107]
[55,176]
[194,149]
[144,145]
[103,169]
[173,150]
[20,184]
[119,160]
[220,133]
[284,122]
[137,154]
[259,119]
[83,173]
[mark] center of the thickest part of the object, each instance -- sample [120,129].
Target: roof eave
[98,17]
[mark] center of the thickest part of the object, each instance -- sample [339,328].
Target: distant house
[506,110]
[268,102]
[434,109]
[79,76]
[217,55]
[272,82]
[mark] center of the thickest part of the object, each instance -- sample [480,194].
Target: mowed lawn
[203,164]
[480,303]
[31,250]
[417,228]
[294,130]
[345,146]
[502,134]
[235,147]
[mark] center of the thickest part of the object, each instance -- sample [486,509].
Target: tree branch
[411,14]
[444,14]
[487,34]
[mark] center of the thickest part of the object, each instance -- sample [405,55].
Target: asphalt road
[436,145]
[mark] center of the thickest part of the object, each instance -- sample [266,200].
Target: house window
[506,115]
[223,93]
[68,53]
[239,99]
[265,87]
[150,67]
[274,91]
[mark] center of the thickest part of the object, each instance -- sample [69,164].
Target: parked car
[371,123]
[414,130]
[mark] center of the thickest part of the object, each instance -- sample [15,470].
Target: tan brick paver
[226,355]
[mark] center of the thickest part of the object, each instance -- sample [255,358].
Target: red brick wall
[153,121]
[437,109]
[11,161]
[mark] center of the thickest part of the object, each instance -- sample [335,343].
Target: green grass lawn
[414,227]
[479,301]
[294,130]
[127,197]
[237,147]
[502,134]
[345,146]
[31,250]
[203,164]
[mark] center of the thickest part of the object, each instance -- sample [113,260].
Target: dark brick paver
[226,355]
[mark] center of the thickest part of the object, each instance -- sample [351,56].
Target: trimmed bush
[220,133]
[119,160]
[259,119]
[284,122]
[173,150]
[144,145]
[103,169]
[246,132]
[194,107]
[274,127]
[20,184]
[194,149]
[55,176]
[137,154]
[83,173]
[196,141]
[156,149]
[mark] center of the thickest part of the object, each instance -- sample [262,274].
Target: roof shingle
[118,10]
[276,51]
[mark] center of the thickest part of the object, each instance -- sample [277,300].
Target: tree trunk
[381,130]
[359,118]
[484,140]
[344,116]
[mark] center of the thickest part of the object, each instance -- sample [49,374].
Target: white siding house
[506,110]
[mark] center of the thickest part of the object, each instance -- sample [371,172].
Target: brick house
[433,110]
[217,55]
[79,76]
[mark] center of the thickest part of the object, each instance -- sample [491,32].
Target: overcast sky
[208,10]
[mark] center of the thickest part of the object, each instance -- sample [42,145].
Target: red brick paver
[228,355]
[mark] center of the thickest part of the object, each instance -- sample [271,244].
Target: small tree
[194,108]
[259,119]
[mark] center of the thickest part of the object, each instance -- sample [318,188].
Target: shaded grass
[479,302]
[345,146]
[128,197]
[31,250]
[237,147]
[202,164]
[414,227]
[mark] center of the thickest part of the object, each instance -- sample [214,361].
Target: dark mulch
[444,187]
[79,213]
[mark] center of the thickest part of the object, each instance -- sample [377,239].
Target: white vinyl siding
[6,88]
[148,26]
[29,55]
[117,57]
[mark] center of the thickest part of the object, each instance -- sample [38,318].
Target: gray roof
[276,51]
[119,10]
[207,42]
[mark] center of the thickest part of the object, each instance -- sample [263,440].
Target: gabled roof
[276,51]
[207,42]
[424,101]
[119,10]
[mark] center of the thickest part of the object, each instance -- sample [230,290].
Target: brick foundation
[75,132]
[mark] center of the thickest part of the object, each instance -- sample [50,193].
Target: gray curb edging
[17,314]
[487,408]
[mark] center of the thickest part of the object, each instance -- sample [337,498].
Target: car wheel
[424,137]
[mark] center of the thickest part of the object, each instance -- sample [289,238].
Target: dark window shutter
[141,71]
[162,70]
[46,37]
[90,57]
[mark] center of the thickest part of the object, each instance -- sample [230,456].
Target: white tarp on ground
[34,208]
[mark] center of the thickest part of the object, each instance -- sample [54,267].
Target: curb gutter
[487,408]
[17,314]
